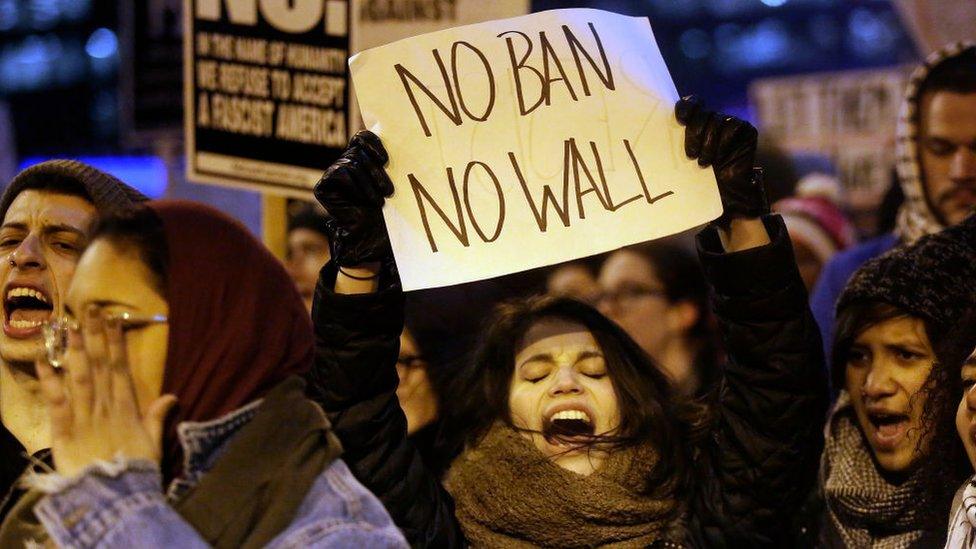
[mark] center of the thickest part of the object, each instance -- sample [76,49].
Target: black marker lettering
[541,217]
[460,230]
[453,112]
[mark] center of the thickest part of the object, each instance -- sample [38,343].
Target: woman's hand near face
[95,414]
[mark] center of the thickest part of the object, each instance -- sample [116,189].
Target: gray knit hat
[108,194]
[933,279]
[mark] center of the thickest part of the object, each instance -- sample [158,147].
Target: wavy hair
[651,410]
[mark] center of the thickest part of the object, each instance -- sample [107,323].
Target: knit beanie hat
[933,279]
[108,194]
[813,217]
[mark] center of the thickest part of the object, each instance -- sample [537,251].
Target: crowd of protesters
[165,381]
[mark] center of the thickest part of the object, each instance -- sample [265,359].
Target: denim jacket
[120,504]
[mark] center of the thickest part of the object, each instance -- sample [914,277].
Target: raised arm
[358,317]
[762,458]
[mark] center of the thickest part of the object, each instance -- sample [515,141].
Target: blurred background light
[102,44]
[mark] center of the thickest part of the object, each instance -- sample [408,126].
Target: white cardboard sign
[529,141]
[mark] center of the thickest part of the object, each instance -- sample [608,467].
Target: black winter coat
[754,471]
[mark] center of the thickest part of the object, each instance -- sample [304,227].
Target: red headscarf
[237,325]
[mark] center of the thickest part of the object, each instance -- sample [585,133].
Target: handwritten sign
[524,142]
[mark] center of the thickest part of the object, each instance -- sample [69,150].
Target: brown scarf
[508,495]
[864,509]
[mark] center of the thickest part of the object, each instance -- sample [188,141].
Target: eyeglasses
[627,296]
[58,331]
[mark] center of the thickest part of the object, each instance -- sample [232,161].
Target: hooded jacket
[915,217]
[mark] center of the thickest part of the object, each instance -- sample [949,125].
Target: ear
[682,315]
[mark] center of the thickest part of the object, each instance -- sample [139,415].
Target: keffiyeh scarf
[962,522]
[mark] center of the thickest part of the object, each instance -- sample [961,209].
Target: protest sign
[529,141]
[379,22]
[849,117]
[265,91]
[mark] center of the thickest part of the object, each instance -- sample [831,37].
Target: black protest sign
[266,91]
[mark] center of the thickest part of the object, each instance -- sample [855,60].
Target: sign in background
[380,22]
[849,117]
[525,142]
[266,92]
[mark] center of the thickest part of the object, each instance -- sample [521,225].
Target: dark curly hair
[650,409]
[944,475]
[941,391]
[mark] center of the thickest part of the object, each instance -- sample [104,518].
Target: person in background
[885,480]
[936,169]
[657,293]
[574,437]
[817,226]
[178,413]
[47,211]
[439,337]
[962,515]
[779,168]
[576,279]
[307,250]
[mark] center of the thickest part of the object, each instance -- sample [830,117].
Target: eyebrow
[917,347]
[547,357]
[48,228]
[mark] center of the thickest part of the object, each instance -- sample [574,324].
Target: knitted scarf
[508,495]
[962,524]
[864,509]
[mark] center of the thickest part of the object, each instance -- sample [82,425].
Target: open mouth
[890,428]
[25,311]
[568,427]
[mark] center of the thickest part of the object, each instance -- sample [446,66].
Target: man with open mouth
[46,212]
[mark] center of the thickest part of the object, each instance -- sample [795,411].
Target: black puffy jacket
[753,472]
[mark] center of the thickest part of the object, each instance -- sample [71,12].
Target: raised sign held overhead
[529,141]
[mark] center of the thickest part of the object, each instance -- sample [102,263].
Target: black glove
[352,191]
[728,144]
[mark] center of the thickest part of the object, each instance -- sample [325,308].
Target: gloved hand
[352,191]
[728,144]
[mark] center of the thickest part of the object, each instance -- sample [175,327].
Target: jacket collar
[203,443]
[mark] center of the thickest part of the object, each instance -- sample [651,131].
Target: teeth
[24,324]
[26,292]
[572,414]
